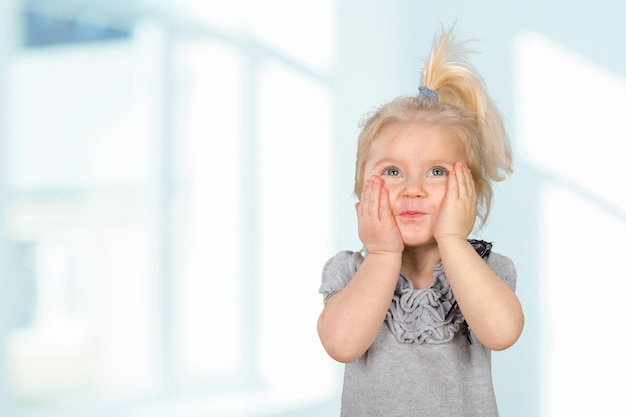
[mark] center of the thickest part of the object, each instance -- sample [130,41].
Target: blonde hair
[463,108]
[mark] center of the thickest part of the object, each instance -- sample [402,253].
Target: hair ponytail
[449,72]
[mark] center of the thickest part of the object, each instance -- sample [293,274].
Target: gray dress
[425,360]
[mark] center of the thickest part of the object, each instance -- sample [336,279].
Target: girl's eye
[391,171]
[438,172]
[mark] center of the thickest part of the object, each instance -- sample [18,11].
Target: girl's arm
[489,305]
[352,318]
[491,308]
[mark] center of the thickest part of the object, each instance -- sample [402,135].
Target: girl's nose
[414,188]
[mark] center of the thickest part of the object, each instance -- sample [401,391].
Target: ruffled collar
[428,315]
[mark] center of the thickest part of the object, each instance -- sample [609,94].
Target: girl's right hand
[377,227]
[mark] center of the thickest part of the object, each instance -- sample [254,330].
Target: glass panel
[83,217]
[208,250]
[296,195]
[156,185]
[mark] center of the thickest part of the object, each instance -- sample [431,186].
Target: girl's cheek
[392,189]
[440,192]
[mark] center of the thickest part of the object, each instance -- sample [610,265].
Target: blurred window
[52,29]
[169,183]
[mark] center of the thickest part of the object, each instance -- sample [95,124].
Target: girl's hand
[377,227]
[457,214]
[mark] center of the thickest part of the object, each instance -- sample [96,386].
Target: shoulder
[344,261]
[338,271]
[504,267]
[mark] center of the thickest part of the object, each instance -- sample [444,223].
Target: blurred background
[174,174]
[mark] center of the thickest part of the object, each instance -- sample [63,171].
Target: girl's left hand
[457,213]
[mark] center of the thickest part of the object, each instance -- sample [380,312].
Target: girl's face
[414,160]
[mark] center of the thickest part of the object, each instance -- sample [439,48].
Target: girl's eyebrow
[432,162]
[386,161]
[442,162]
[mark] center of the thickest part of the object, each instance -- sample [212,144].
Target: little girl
[416,313]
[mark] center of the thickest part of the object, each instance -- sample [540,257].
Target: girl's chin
[411,240]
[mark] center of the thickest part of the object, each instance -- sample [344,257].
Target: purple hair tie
[428,93]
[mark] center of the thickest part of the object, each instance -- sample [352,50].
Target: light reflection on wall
[571,125]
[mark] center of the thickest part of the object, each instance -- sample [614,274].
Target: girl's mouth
[411,214]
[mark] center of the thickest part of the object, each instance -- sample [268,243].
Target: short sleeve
[504,268]
[338,271]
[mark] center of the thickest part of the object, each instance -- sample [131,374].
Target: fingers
[377,227]
[370,197]
[375,203]
[461,183]
[373,196]
[384,207]
[458,211]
